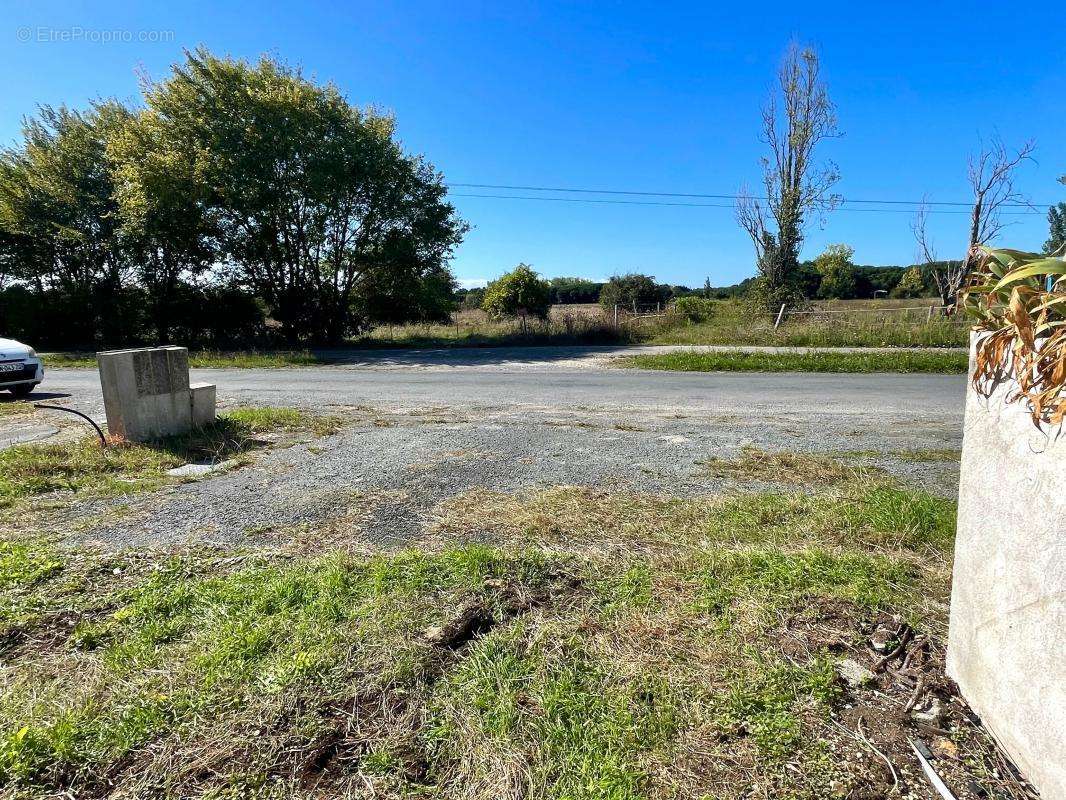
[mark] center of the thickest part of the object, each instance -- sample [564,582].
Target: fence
[907,313]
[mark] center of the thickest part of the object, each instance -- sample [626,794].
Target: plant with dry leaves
[1019,301]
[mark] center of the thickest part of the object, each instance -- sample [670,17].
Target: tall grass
[733,322]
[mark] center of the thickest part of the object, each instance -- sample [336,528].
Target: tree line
[241,202]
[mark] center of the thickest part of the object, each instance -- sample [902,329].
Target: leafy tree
[164,212]
[472,298]
[59,218]
[910,285]
[518,290]
[574,290]
[632,291]
[304,196]
[795,120]
[1056,217]
[837,272]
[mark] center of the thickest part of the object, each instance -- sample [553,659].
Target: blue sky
[623,96]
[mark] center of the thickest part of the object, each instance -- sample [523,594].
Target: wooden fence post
[616,315]
[780,316]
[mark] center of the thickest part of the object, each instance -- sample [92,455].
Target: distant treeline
[869,282]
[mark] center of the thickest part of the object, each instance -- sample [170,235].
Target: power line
[718,196]
[699,205]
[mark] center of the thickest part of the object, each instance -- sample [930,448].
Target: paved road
[565,386]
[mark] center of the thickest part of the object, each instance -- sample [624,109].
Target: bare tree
[948,275]
[991,177]
[798,115]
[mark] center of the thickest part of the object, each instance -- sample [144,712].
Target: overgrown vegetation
[1017,299]
[810,361]
[602,645]
[732,323]
[83,468]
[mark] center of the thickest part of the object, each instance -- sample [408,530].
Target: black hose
[86,417]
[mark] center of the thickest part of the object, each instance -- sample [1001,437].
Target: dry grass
[783,467]
[734,323]
[605,646]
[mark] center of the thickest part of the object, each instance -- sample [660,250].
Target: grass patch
[15,408]
[86,469]
[903,361]
[603,646]
[919,456]
[782,467]
[209,359]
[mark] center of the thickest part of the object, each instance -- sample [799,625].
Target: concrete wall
[1007,639]
[147,393]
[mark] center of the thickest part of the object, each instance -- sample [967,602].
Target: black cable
[703,205]
[714,196]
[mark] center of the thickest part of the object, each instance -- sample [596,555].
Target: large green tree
[837,271]
[60,224]
[303,196]
[516,292]
[632,291]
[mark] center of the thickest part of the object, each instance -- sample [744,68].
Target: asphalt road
[564,378]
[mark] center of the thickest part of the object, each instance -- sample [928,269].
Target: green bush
[695,309]
[521,289]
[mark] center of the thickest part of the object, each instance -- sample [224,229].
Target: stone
[147,393]
[931,714]
[1006,642]
[200,470]
[853,673]
[202,398]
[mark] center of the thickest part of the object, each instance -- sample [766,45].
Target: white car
[20,368]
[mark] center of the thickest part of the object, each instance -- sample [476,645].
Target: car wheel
[22,391]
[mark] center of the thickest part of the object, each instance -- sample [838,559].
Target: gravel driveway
[443,422]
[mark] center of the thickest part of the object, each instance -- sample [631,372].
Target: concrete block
[202,403]
[1007,636]
[147,394]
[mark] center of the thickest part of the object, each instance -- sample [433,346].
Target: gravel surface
[426,425]
[395,468]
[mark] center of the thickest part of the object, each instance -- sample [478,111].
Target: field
[675,613]
[864,323]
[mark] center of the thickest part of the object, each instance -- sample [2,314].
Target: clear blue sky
[628,96]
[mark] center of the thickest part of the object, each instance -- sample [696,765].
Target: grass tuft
[84,468]
[948,363]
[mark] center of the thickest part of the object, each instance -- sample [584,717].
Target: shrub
[632,291]
[521,289]
[910,285]
[695,309]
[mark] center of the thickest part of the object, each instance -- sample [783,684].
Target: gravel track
[395,468]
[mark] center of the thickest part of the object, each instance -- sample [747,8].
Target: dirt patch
[900,702]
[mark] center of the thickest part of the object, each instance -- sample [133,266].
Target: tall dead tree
[798,115]
[948,276]
[991,176]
